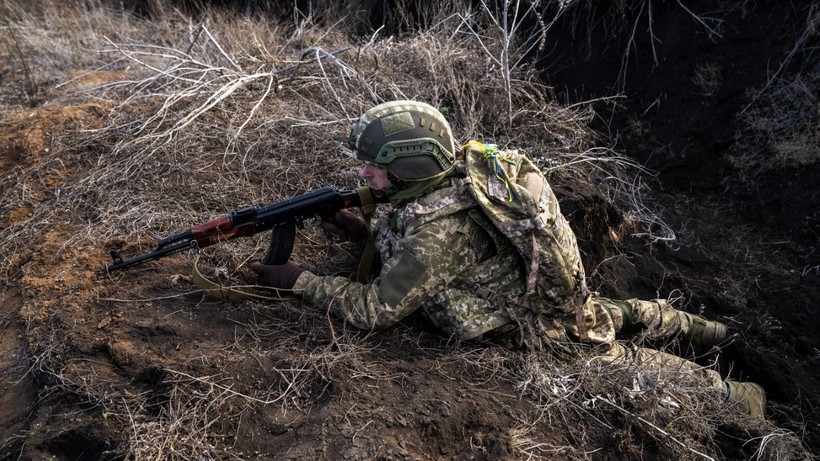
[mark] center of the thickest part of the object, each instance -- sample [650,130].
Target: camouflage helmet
[411,139]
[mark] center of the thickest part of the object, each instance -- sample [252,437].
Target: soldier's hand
[344,226]
[277,276]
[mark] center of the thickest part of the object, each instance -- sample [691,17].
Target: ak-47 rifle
[281,218]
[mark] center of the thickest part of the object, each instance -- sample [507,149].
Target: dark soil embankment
[194,115]
[747,245]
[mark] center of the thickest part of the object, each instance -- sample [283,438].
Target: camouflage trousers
[628,354]
[654,320]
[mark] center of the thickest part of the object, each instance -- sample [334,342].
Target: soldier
[442,256]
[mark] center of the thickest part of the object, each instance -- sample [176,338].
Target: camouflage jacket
[441,255]
[435,252]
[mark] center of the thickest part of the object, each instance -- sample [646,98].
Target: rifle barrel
[158,253]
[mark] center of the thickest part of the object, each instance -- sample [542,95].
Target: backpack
[514,194]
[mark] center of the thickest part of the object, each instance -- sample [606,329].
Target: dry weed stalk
[777,128]
[665,405]
[186,427]
[654,427]
[515,42]
[525,445]
[635,17]
[645,9]
[28,87]
[779,445]
[625,182]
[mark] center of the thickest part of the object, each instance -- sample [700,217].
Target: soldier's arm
[424,263]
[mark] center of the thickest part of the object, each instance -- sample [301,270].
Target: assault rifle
[281,218]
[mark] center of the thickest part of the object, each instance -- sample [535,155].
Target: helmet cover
[412,140]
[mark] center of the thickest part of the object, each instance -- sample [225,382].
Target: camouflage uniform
[434,250]
[441,255]
[510,274]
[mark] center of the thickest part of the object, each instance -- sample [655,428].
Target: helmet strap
[408,190]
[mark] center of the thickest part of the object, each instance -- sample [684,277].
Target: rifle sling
[369,251]
[219,291]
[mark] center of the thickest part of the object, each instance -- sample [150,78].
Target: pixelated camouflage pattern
[442,255]
[439,236]
[604,318]
[516,197]
[628,354]
[655,319]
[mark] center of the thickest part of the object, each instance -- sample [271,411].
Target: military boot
[702,332]
[749,398]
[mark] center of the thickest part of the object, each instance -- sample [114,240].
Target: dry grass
[667,411]
[209,115]
[778,128]
[221,113]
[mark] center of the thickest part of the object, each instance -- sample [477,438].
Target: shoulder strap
[368,208]
[219,291]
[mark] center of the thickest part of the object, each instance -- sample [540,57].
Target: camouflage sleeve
[423,264]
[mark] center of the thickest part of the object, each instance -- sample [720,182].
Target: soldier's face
[375,176]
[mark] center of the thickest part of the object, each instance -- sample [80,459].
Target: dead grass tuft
[227,111]
[778,128]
